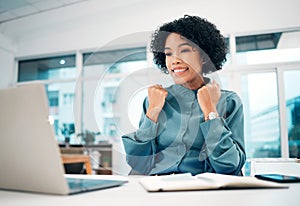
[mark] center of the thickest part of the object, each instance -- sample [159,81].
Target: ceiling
[15,9]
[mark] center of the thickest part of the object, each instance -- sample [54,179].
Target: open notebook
[204,181]
[29,154]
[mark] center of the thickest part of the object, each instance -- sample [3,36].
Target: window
[262,131]
[260,71]
[115,61]
[292,93]
[54,68]
[104,105]
[60,90]
[68,98]
[263,48]
[101,76]
[228,55]
[62,112]
[257,42]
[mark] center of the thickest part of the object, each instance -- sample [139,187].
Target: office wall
[7,54]
[6,68]
[92,24]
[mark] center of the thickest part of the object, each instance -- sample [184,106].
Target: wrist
[153,113]
[211,116]
[208,110]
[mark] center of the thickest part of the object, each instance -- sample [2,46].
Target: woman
[191,126]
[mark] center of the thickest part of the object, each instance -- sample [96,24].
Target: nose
[176,60]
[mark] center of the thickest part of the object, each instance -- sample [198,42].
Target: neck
[196,85]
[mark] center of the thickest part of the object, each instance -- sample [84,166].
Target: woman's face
[183,61]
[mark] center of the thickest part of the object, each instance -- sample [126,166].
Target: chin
[179,81]
[182,83]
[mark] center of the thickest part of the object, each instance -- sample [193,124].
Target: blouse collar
[177,89]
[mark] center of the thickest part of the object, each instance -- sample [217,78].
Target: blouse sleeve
[140,145]
[224,148]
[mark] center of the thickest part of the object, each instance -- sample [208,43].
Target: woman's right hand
[156,97]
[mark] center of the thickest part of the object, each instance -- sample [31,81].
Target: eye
[185,50]
[168,54]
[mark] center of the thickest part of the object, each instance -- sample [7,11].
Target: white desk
[133,193]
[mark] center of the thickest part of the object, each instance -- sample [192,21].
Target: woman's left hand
[208,97]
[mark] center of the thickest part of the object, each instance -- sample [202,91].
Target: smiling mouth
[179,70]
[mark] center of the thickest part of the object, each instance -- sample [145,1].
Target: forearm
[140,146]
[153,113]
[139,155]
[224,147]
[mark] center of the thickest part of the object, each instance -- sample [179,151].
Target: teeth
[179,70]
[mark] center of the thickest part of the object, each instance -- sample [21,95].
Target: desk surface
[133,193]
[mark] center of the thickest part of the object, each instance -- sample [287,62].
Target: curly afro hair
[199,31]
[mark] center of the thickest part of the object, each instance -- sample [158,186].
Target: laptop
[29,153]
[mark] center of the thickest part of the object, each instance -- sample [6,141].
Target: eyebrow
[180,45]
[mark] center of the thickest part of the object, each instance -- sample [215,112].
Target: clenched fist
[156,97]
[208,97]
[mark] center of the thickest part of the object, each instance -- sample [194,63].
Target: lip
[179,70]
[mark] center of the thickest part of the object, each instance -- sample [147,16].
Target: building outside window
[262,130]
[58,74]
[103,73]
